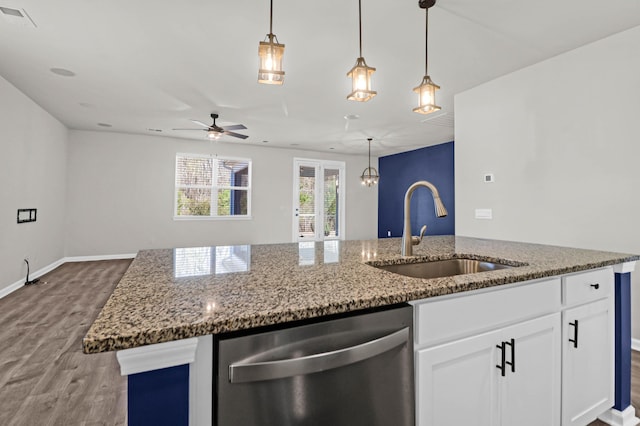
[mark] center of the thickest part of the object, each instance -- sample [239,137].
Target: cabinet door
[456,382]
[530,390]
[587,365]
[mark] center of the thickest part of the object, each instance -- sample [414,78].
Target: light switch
[484,214]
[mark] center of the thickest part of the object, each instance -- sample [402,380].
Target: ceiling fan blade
[235,127]
[236,135]
[200,123]
[191,129]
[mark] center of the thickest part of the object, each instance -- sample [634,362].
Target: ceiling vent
[17,17]
[443,120]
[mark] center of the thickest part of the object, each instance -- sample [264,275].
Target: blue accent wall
[159,397]
[623,341]
[397,172]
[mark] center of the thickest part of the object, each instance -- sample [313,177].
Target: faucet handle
[417,240]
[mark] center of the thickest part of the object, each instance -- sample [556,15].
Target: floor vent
[17,17]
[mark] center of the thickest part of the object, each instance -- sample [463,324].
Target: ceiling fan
[215,132]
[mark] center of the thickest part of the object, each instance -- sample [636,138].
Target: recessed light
[351,117]
[104,125]
[63,72]
[155,130]
[265,141]
[331,148]
[86,105]
[295,144]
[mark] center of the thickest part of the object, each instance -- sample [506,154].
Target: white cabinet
[588,350]
[469,382]
[530,395]
[460,341]
[457,383]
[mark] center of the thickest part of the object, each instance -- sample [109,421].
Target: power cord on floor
[27,281]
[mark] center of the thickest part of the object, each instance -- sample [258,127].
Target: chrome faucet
[408,240]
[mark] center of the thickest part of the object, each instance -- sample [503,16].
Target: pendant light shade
[427,89]
[370,175]
[426,96]
[360,74]
[271,53]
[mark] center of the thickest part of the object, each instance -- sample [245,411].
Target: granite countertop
[172,294]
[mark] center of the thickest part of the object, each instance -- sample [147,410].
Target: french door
[318,200]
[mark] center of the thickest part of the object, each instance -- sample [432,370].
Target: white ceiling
[149,64]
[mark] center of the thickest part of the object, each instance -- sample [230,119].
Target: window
[212,187]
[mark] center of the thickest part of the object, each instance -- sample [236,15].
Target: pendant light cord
[426,42]
[359,23]
[271,19]
[369,139]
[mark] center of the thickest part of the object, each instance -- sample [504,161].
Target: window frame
[214,188]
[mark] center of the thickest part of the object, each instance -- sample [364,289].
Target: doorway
[318,200]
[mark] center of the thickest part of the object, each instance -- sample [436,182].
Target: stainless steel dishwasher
[348,371]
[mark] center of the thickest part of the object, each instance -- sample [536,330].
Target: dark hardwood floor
[45,379]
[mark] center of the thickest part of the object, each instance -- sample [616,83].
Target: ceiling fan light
[213,135]
[426,96]
[271,54]
[360,76]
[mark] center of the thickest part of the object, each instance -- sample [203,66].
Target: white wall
[32,172]
[121,195]
[563,140]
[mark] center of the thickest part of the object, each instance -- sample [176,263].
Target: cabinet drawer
[453,317]
[587,286]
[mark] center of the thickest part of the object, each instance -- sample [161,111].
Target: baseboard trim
[614,417]
[35,274]
[40,272]
[99,257]
[635,344]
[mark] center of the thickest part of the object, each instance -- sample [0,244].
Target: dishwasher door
[356,370]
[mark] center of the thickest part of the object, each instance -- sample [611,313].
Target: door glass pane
[307,212]
[331,202]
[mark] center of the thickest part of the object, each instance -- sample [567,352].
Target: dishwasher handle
[253,372]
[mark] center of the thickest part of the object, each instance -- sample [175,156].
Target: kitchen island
[177,296]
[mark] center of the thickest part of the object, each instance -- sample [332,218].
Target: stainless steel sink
[442,268]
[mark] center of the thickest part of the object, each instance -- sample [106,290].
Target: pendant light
[360,74]
[270,53]
[370,175]
[427,89]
